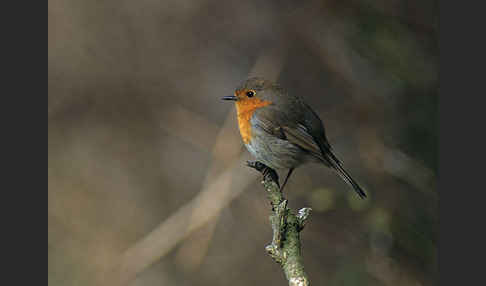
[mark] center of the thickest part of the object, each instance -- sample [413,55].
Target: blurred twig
[226,149]
[193,215]
[214,196]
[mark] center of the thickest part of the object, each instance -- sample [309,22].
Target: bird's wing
[299,135]
[271,127]
[295,133]
[306,131]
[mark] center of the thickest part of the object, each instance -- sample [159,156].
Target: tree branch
[285,247]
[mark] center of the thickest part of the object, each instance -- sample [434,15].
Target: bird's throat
[245,110]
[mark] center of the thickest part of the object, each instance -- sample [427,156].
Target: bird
[282,131]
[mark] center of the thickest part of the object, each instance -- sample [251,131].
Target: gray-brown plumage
[282,131]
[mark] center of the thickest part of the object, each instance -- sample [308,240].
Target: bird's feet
[264,169]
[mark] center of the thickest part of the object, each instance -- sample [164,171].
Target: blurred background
[147,183]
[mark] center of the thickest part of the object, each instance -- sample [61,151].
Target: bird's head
[255,93]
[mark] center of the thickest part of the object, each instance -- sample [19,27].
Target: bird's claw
[260,167]
[264,169]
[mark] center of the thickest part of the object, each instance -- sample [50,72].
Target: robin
[281,131]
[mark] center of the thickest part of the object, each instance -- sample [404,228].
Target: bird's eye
[250,93]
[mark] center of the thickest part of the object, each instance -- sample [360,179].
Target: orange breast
[245,109]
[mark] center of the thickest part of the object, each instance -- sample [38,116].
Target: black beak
[230,97]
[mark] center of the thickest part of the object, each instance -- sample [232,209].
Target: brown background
[147,184]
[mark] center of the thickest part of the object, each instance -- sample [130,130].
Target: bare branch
[285,247]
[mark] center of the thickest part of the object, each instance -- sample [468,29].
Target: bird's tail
[336,165]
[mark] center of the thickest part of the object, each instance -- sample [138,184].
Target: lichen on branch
[285,248]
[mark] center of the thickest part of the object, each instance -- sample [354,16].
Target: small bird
[281,131]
